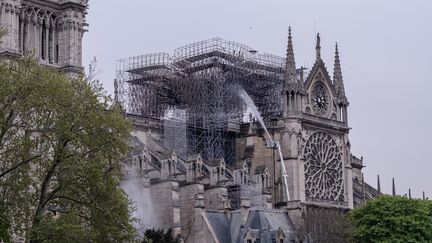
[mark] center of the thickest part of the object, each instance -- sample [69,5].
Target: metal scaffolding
[201,80]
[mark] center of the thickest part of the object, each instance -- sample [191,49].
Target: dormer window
[280,236]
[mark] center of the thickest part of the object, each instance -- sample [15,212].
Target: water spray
[270,143]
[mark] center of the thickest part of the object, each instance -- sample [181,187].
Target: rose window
[323,168]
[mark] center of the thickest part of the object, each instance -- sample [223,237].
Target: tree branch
[70,199]
[18,165]
[45,184]
[51,195]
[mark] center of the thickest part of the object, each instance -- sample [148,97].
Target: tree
[393,219]
[158,236]
[61,143]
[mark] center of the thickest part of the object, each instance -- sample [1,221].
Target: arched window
[140,163]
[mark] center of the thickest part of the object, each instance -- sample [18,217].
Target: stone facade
[52,30]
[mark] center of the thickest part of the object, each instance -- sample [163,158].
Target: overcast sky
[385,48]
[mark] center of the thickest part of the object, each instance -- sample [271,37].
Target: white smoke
[137,191]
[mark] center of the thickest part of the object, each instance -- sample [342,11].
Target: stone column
[9,19]
[21,33]
[348,177]
[51,44]
[55,44]
[244,210]
[36,37]
[46,43]
[16,35]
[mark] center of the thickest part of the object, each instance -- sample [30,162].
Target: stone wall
[189,194]
[165,197]
[216,198]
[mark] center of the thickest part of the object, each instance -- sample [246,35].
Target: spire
[337,73]
[292,86]
[290,61]
[409,193]
[393,187]
[338,79]
[378,184]
[318,48]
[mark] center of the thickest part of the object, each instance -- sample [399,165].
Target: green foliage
[4,225]
[61,141]
[393,219]
[158,236]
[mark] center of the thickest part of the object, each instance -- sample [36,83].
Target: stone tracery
[320,99]
[323,168]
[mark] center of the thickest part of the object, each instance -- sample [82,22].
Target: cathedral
[228,144]
[213,171]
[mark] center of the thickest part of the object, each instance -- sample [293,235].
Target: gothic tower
[50,29]
[314,134]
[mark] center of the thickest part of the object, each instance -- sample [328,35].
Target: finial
[378,185]
[289,31]
[393,187]
[318,47]
[337,54]
[409,193]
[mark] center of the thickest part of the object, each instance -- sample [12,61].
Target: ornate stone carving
[320,99]
[323,168]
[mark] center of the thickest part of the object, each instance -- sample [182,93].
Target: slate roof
[180,166]
[264,222]
[220,225]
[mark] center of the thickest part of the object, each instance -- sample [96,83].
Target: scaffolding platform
[202,79]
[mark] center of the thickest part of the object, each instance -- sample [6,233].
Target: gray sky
[385,48]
